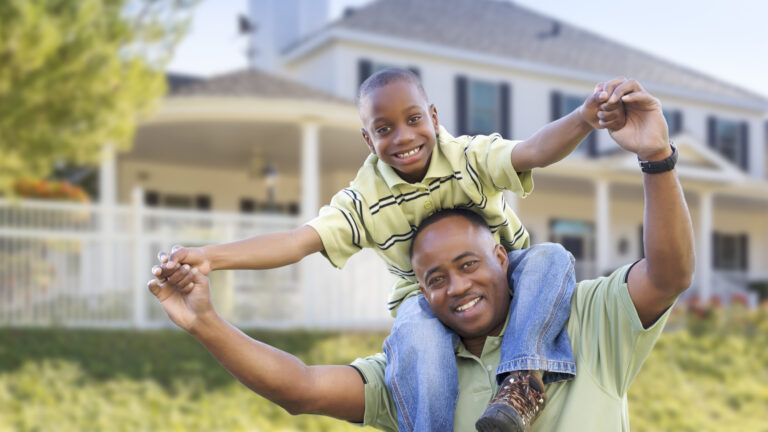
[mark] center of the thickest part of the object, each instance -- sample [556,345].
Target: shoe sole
[499,418]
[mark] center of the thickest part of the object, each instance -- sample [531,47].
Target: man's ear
[501,255]
[433,117]
[367,139]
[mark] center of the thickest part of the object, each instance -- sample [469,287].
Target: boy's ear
[367,139]
[433,116]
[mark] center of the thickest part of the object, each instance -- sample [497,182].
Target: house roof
[253,83]
[511,31]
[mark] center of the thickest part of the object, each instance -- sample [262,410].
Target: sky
[726,39]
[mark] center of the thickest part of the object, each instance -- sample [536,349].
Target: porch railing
[87,266]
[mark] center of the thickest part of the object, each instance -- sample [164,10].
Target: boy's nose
[404,136]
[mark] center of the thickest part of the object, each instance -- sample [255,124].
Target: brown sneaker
[516,405]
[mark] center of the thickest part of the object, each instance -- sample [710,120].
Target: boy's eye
[415,119]
[383,130]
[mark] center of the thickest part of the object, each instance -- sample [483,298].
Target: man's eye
[435,281]
[469,265]
[415,119]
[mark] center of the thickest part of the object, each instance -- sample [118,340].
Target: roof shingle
[508,30]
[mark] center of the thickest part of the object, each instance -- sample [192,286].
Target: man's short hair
[472,217]
[388,76]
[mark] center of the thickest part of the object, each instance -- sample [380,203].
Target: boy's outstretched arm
[259,252]
[558,139]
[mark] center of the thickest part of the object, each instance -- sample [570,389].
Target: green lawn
[709,374]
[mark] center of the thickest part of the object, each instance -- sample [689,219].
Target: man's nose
[459,285]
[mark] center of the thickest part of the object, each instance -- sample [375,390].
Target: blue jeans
[421,372]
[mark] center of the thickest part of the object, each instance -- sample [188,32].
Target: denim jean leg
[421,372]
[542,279]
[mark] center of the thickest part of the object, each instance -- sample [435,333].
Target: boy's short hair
[472,217]
[388,76]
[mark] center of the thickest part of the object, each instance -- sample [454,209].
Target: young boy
[415,169]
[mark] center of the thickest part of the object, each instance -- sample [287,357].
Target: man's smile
[468,305]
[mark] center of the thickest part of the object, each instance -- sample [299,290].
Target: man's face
[400,127]
[462,272]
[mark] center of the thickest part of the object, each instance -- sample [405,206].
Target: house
[261,149]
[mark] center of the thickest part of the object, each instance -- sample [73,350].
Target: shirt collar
[492,343]
[438,164]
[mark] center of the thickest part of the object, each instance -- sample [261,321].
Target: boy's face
[400,127]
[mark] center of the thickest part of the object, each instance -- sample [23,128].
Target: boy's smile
[400,127]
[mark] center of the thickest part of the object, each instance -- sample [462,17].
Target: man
[462,273]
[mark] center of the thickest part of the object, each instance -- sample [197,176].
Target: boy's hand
[601,109]
[193,257]
[645,133]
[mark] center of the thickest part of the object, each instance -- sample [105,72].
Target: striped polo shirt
[379,210]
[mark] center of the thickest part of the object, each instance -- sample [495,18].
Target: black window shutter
[711,131]
[364,70]
[415,71]
[743,252]
[555,102]
[461,105]
[203,202]
[591,142]
[505,96]
[744,135]
[716,250]
[677,120]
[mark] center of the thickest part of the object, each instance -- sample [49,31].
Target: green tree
[75,75]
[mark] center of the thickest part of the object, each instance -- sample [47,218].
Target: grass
[708,374]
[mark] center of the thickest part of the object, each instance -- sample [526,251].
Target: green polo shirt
[609,344]
[381,211]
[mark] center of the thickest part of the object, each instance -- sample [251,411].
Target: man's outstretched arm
[336,391]
[667,270]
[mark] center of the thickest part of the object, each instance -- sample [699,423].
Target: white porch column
[141,261]
[107,215]
[310,169]
[602,226]
[704,249]
[310,202]
[512,201]
[108,176]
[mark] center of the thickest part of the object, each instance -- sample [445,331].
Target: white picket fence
[79,265]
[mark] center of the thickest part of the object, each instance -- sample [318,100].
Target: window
[249,205]
[562,104]
[482,107]
[578,237]
[366,68]
[730,251]
[177,201]
[674,120]
[729,138]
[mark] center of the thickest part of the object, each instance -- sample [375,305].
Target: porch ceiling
[243,145]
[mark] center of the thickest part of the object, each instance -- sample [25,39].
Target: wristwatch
[655,167]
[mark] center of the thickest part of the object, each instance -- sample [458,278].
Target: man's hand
[645,132]
[185,296]
[599,112]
